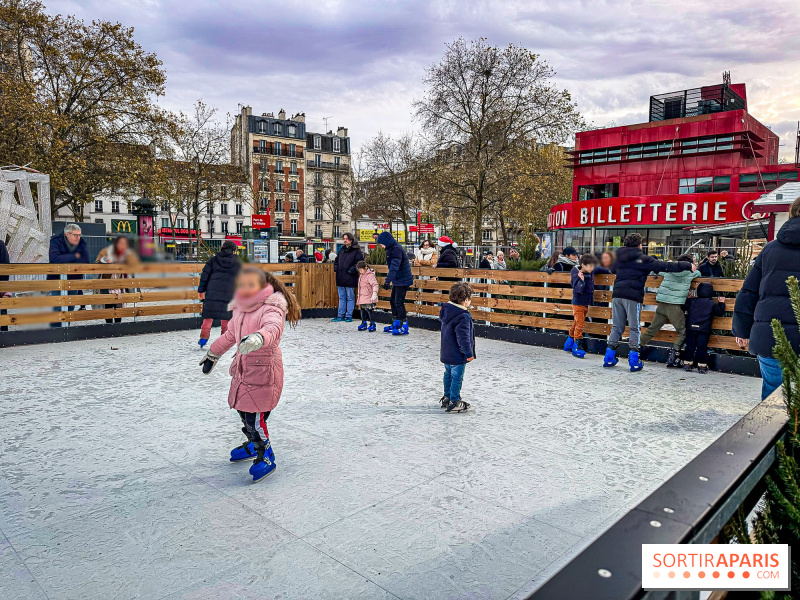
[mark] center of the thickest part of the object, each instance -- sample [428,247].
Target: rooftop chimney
[281,114]
[341,131]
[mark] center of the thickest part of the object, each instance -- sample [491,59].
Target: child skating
[632,267]
[700,316]
[261,306]
[457,344]
[367,295]
[582,299]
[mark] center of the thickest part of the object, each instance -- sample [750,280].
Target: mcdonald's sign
[123,226]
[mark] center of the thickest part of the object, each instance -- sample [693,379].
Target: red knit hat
[445,241]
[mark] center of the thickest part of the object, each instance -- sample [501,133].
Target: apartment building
[328,186]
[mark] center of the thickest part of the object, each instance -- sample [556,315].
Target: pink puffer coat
[367,288]
[257,376]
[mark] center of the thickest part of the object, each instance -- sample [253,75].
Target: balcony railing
[298,153]
[325,165]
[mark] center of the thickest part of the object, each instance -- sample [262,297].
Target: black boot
[674,360]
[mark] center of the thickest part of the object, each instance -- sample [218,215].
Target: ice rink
[115,480]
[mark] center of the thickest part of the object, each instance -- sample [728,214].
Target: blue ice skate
[401,329]
[262,469]
[568,344]
[577,349]
[393,327]
[363,326]
[243,452]
[610,359]
[202,343]
[634,361]
[372,327]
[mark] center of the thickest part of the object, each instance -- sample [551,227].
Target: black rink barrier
[724,363]
[691,507]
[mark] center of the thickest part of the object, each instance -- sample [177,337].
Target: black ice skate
[457,406]
[444,401]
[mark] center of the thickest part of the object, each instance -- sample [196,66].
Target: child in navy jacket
[582,299]
[458,344]
[700,313]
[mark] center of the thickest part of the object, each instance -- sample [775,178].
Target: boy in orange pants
[582,299]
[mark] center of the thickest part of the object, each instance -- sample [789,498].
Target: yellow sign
[365,235]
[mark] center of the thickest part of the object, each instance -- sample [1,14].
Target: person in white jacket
[500,261]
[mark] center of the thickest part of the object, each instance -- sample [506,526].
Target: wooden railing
[536,299]
[149,289]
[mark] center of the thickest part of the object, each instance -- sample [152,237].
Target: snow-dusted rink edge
[115,481]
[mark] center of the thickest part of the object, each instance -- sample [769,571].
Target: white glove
[209,362]
[250,343]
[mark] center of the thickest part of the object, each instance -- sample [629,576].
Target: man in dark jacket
[457,344]
[567,260]
[347,277]
[302,257]
[68,247]
[217,284]
[632,268]
[4,260]
[398,279]
[711,266]
[765,296]
[448,255]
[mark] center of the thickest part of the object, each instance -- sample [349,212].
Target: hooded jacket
[458,334]
[632,268]
[675,287]
[396,259]
[582,289]
[700,311]
[257,376]
[367,288]
[765,296]
[448,258]
[345,265]
[218,281]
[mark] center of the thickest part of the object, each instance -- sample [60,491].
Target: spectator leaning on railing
[68,247]
[765,296]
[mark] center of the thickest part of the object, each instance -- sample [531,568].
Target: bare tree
[481,103]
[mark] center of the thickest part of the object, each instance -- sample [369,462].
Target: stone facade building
[328,185]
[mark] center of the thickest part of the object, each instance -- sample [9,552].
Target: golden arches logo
[123,227]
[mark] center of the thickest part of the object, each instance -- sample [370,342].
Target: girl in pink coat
[367,295]
[261,306]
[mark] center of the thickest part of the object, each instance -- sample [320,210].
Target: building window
[293,185]
[262,127]
[293,168]
[337,180]
[317,142]
[279,185]
[317,213]
[279,166]
[317,196]
[98,206]
[164,207]
[293,226]
[223,208]
[294,206]
[318,231]
[263,204]
[486,235]
[263,165]
[115,206]
[603,190]
[317,178]
[279,204]
[262,144]
[239,209]
[292,130]
[239,225]
[600,156]
[279,225]
[292,150]
[337,144]
[337,162]
[224,227]
[703,185]
[337,231]
[278,129]
[164,222]
[210,209]
[750,182]
[223,192]
[277,147]
[318,160]
[180,223]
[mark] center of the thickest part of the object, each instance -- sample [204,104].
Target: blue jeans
[347,301]
[771,374]
[453,378]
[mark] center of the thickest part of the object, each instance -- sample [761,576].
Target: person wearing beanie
[448,255]
[398,279]
[217,284]
[567,260]
[700,316]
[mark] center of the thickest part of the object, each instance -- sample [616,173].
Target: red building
[689,174]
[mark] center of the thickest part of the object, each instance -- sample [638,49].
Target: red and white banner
[667,211]
[260,221]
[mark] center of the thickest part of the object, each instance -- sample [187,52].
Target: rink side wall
[527,307]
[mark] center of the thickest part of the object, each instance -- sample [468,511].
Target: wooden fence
[149,289]
[536,299]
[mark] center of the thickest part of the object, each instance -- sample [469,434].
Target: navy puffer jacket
[582,289]
[458,334]
[396,259]
[218,281]
[632,268]
[700,311]
[448,258]
[765,295]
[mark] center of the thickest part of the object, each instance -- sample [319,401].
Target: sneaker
[337,320]
[444,401]
[457,406]
[702,369]
[348,319]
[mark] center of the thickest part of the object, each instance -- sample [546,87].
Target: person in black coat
[217,284]
[448,255]
[711,267]
[457,344]
[765,296]
[700,313]
[344,265]
[632,267]
[398,279]
[68,247]
[486,261]
[4,260]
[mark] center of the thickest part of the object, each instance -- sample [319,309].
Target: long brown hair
[293,312]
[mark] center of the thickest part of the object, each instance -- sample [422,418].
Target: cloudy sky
[360,62]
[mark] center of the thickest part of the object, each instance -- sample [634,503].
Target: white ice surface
[115,483]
